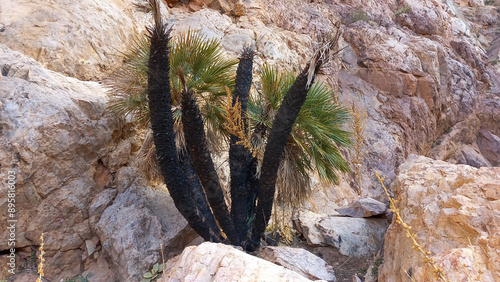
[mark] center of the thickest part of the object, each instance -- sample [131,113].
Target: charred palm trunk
[278,137]
[159,99]
[240,158]
[196,141]
[198,195]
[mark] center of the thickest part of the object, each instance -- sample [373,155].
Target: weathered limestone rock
[489,144]
[78,39]
[54,131]
[358,237]
[219,262]
[299,260]
[133,228]
[365,207]
[453,210]
[130,235]
[473,158]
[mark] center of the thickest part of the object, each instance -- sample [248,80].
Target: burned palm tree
[190,175]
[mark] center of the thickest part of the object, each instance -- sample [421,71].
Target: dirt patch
[345,267]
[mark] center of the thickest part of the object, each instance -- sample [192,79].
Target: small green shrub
[406,9]
[79,277]
[376,264]
[358,15]
[153,274]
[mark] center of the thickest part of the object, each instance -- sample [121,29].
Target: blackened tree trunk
[159,99]
[278,137]
[240,158]
[198,195]
[194,133]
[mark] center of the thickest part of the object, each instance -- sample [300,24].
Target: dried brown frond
[155,7]
[282,225]
[234,124]
[436,271]
[146,159]
[326,49]
[292,188]
[357,126]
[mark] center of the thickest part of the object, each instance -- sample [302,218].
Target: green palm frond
[207,74]
[315,139]
[202,61]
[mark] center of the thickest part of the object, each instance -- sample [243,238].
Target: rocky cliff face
[425,71]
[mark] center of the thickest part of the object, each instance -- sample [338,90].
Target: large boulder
[489,144]
[219,262]
[78,39]
[356,237]
[299,260]
[364,207]
[453,211]
[132,235]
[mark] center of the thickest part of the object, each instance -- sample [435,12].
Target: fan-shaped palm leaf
[315,138]
[205,68]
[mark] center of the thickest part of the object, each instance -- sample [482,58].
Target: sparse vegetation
[153,274]
[79,277]
[376,264]
[425,148]
[357,126]
[358,15]
[404,10]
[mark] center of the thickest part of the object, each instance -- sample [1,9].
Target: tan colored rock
[78,39]
[208,22]
[219,262]
[299,260]
[120,156]
[232,7]
[453,211]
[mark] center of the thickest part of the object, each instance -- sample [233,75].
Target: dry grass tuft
[425,148]
[452,150]
[42,260]
[437,271]
[357,125]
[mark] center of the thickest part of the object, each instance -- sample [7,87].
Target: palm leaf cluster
[202,63]
[315,138]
